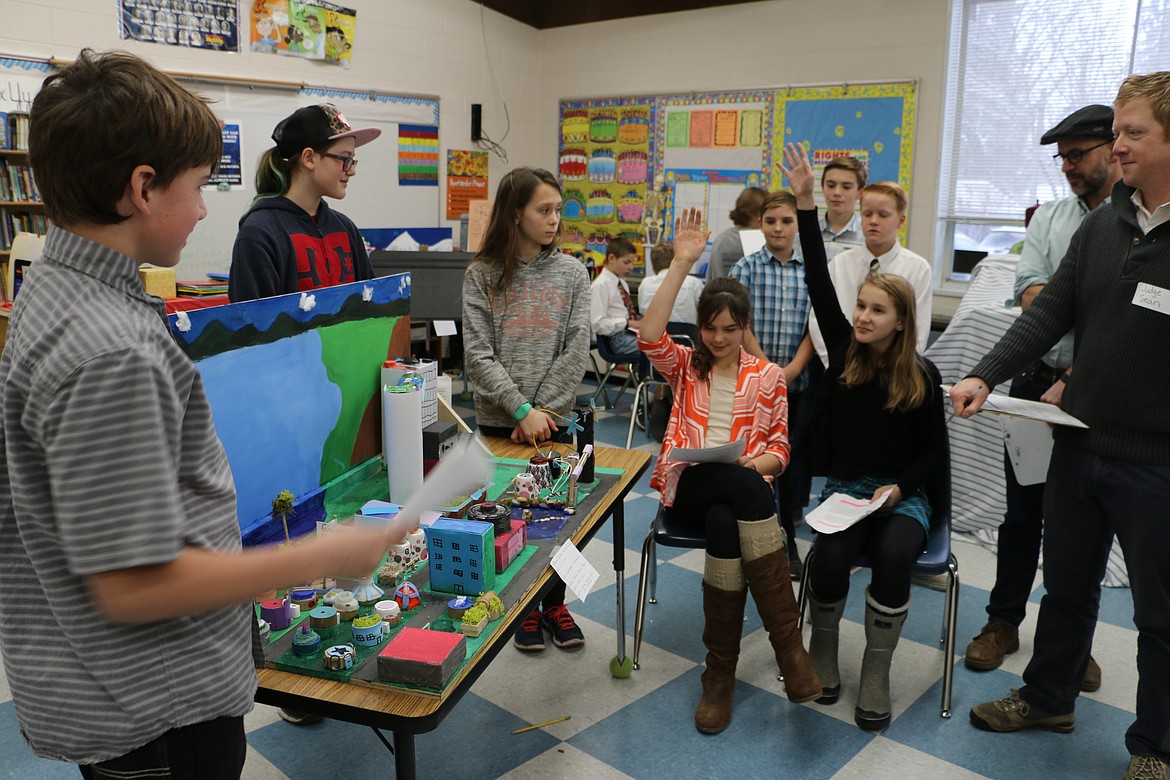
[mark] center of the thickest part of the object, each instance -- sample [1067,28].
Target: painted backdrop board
[293,383]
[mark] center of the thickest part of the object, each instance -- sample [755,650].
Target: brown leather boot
[722,629]
[987,650]
[771,587]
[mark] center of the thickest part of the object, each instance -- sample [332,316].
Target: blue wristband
[522,412]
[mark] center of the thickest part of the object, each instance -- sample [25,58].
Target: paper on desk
[1029,448]
[724,453]
[578,573]
[462,470]
[444,327]
[1029,410]
[839,511]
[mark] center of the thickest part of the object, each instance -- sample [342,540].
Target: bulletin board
[375,198]
[708,146]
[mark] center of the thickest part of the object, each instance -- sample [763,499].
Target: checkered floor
[642,727]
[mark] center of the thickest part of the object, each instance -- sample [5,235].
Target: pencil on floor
[561,719]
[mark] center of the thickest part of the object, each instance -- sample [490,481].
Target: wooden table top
[400,703]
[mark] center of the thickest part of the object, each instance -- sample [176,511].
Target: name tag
[1153,298]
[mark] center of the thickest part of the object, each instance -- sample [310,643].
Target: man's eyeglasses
[347,161]
[1074,156]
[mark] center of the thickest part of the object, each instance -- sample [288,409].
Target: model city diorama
[347,448]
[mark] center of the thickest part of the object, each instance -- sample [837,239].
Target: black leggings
[713,496]
[892,543]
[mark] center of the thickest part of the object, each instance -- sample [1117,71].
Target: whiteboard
[373,199]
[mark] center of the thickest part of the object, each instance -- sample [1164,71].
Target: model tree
[282,507]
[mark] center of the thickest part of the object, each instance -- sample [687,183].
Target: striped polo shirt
[109,461]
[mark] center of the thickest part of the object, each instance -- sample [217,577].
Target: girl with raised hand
[877,428]
[723,394]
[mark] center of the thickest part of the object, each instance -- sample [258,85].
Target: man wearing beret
[1084,152]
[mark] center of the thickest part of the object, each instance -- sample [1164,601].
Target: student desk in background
[407,714]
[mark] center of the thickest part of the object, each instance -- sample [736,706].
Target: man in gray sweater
[1113,290]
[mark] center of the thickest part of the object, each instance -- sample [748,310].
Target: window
[1015,69]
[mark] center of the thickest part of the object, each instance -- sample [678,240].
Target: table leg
[404,757]
[621,665]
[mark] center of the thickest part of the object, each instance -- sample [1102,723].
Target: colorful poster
[605,152]
[874,122]
[467,180]
[712,192]
[702,128]
[418,156]
[678,128]
[340,25]
[751,128]
[230,174]
[197,24]
[726,128]
[316,30]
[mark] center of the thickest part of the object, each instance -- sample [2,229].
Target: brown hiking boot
[1011,713]
[1092,681]
[987,650]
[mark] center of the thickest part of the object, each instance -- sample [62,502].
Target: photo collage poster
[605,151]
[196,24]
[315,31]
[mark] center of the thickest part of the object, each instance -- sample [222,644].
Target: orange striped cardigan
[759,415]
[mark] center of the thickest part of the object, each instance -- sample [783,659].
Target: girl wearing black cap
[290,240]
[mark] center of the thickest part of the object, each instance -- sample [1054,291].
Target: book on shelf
[16,124]
[17,184]
[3,129]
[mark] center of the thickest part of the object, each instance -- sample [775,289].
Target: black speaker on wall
[476,122]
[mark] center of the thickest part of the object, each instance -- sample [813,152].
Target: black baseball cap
[1095,121]
[314,126]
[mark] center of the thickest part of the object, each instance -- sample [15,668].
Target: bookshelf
[21,209]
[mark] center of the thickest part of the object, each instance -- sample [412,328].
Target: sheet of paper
[478,214]
[444,327]
[724,453]
[752,240]
[462,470]
[1029,410]
[1029,448]
[839,511]
[578,573]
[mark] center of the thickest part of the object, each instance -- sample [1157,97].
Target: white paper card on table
[1029,448]
[444,327]
[724,453]
[1029,410]
[839,511]
[577,572]
[1153,298]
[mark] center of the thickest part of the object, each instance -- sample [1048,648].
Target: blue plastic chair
[668,533]
[935,558]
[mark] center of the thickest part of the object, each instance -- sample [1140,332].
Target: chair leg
[639,395]
[640,614]
[602,390]
[802,592]
[950,622]
[653,571]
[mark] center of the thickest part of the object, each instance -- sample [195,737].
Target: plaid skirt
[915,505]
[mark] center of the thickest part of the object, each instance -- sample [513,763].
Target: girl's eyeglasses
[347,161]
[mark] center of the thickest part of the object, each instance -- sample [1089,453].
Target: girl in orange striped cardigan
[723,394]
